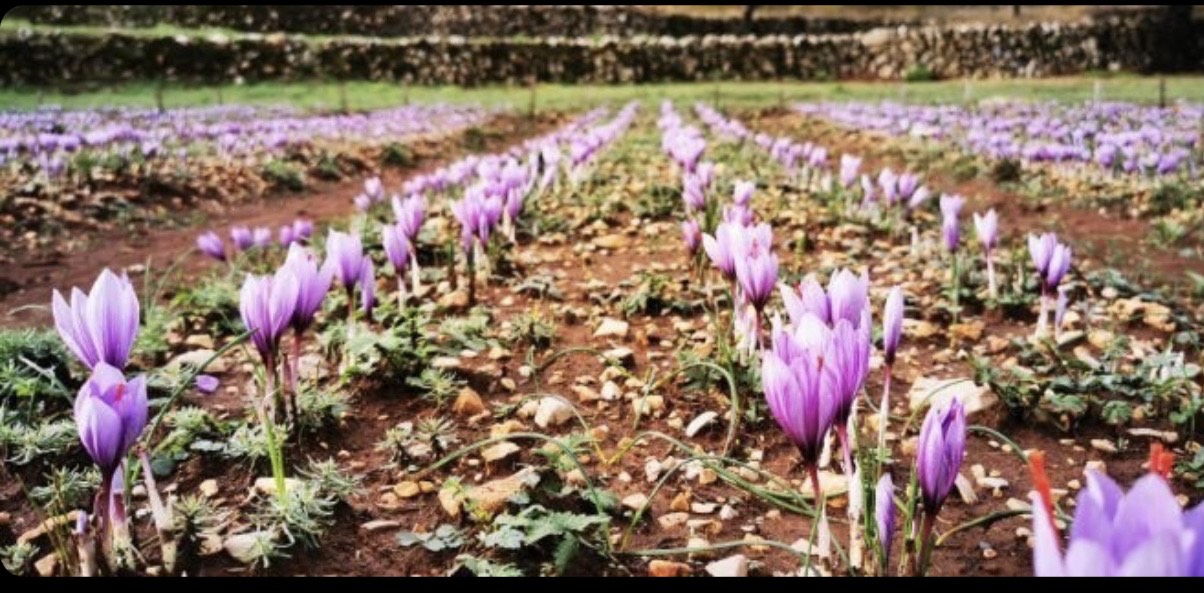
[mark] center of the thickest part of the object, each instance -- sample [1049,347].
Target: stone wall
[53,58]
[405,21]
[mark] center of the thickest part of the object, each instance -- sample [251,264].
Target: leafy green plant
[444,537]
[33,372]
[18,558]
[66,488]
[537,527]
[283,174]
[531,328]
[193,429]
[26,443]
[1192,469]
[318,408]
[397,155]
[407,442]
[469,332]
[483,567]
[437,385]
[211,303]
[650,296]
[302,515]
[919,73]
[331,479]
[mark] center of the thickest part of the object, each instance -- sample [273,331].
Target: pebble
[635,501]
[611,328]
[1104,445]
[702,508]
[500,451]
[672,520]
[468,403]
[380,524]
[700,422]
[208,488]
[552,411]
[665,568]
[407,489]
[681,502]
[732,566]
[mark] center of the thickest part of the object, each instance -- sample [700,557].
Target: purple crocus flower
[742,194]
[793,379]
[267,304]
[1040,249]
[987,227]
[1142,533]
[723,247]
[951,205]
[207,384]
[939,454]
[210,244]
[691,233]
[471,213]
[738,215]
[757,272]
[849,166]
[302,229]
[1059,264]
[692,193]
[110,414]
[705,173]
[242,237]
[286,235]
[397,246]
[810,298]
[884,513]
[99,327]
[907,184]
[410,214]
[848,296]
[312,285]
[892,324]
[362,202]
[373,188]
[262,236]
[950,233]
[368,287]
[345,255]
[889,183]
[918,198]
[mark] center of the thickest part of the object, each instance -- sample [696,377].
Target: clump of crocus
[939,453]
[397,249]
[110,414]
[987,227]
[693,193]
[345,256]
[267,304]
[1051,260]
[849,167]
[410,214]
[951,207]
[100,326]
[242,237]
[211,245]
[313,283]
[1141,533]
[261,237]
[474,213]
[691,233]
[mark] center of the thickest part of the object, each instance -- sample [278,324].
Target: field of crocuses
[659,338]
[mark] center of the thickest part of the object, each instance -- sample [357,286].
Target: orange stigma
[1036,464]
[1161,460]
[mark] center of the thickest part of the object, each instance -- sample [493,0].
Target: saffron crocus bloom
[793,380]
[345,254]
[410,214]
[987,228]
[210,244]
[1142,533]
[918,198]
[207,384]
[692,193]
[267,304]
[362,202]
[848,296]
[286,236]
[907,184]
[723,248]
[302,229]
[99,327]
[397,246]
[1040,249]
[691,233]
[810,298]
[368,287]
[888,181]
[892,324]
[312,285]
[1059,264]
[373,188]
[950,233]
[757,272]
[242,237]
[884,514]
[742,194]
[705,173]
[849,166]
[110,414]
[262,236]
[939,453]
